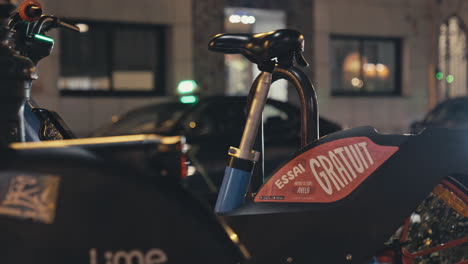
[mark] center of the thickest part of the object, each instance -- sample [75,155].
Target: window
[451,74]
[365,66]
[112,58]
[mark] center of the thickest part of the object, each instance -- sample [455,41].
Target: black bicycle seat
[261,48]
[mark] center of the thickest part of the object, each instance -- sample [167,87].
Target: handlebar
[31,26]
[46,23]
[31,11]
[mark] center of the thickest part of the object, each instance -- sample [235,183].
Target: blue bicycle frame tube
[233,190]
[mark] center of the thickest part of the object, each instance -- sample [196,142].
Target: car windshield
[159,118]
[456,111]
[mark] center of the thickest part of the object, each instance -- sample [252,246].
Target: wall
[208,20]
[416,22]
[193,22]
[84,114]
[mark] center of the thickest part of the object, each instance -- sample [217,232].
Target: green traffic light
[188,99]
[450,78]
[439,76]
[187,86]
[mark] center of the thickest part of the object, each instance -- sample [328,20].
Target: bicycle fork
[239,170]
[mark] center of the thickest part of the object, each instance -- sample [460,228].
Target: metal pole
[255,116]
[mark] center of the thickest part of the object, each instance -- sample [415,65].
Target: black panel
[360,223]
[105,209]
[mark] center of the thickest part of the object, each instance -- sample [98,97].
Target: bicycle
[308,229]
[93,200]
[30,27]
[320,205]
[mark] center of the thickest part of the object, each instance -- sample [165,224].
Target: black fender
[67,205]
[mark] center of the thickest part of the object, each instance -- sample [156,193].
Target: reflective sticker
[135,256]
[456,202]
[326,173]
[29,196]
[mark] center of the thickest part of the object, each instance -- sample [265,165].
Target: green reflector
[439,76]
[188,99]
[450,78]
[44,38]
[187,86]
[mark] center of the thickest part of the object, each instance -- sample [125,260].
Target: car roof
[201,101]
[175,101]
[188,108]
[456,100]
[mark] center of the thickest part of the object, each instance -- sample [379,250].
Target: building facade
[408,28]
[416,23]
[85,113]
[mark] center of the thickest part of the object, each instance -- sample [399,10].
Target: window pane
[364,66]
[113,57]
[271,112]
[346,65]
[83,60]
[379,66]
[134,59]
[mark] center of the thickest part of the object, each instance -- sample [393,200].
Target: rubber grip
[30,10]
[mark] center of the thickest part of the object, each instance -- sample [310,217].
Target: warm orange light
[369,70]
[382,71]
[356,82]
[352,63]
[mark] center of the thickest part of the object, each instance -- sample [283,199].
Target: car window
[227,118]
[236,118]
[279,122]
[458,112]
[455,111]
[156,119]
[200,122]
[271,113]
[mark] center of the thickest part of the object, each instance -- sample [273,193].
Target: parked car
[211,126]
[449,113]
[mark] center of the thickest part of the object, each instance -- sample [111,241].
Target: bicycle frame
[231,199]
[333,187]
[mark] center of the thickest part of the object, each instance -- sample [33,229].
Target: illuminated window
[110,58]
[451,74]
[365,66]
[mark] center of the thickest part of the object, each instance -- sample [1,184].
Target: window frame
[398,41]
[160,81]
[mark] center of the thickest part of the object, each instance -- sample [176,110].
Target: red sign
[326,173]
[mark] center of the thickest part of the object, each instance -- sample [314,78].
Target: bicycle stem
[239,171]
[254,117]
